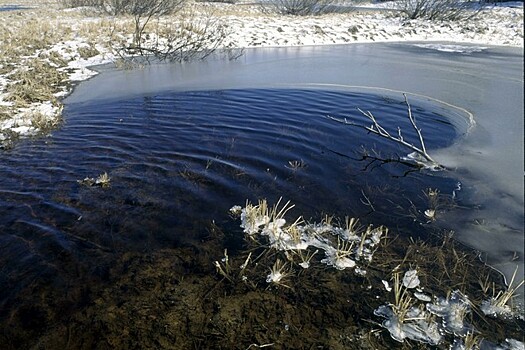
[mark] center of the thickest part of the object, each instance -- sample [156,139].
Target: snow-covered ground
[495,26]
[79,38]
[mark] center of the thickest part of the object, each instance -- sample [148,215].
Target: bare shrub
[188,36]
[439,10]
[297,7]
[144,10]
[182,36]
[419,155]
[129,7]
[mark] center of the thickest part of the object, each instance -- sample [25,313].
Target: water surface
[486,81]
[183,143]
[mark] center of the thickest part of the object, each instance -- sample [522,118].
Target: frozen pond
[485,81]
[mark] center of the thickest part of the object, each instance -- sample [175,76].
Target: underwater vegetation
[413,312]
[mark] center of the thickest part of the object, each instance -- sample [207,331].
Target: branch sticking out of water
[379,130]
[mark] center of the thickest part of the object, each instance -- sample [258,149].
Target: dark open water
[179,160]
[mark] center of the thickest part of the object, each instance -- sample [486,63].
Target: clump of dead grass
[45,122]
[32,74]
[25,36]
[4,112]
[37,81]
[88,51]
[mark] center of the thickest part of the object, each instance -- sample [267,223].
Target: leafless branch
[189,36]
[297,7]
[378,129]
[440,10]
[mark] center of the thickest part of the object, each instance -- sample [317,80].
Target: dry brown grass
[45,123]
[25,33]
[37,81]
[105,30]
[34,73]
[4,112]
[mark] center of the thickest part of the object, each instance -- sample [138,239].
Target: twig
[368,203]
[379,130]
[418,130]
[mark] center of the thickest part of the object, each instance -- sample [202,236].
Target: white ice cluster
[452,311]
[503,304]
[493,307]
[511,344]
[483,344]
[413,325]
[275,277]
[410,279]
[406,320]
[342,247]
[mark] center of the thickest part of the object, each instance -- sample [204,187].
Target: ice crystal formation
[492,308]
[432,322]
[410,279]
[413,325]
[414,314]
[343,247]
[452,312]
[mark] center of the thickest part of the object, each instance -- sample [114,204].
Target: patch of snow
[23,130]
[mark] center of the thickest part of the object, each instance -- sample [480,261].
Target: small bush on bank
[298,7]
[439,10]
[131,7]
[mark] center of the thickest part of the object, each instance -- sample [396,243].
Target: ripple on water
[178,160]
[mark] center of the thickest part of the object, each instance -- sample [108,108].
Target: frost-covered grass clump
[499,305]
[433,322]
[343,247]
[403,318]
[433,297]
